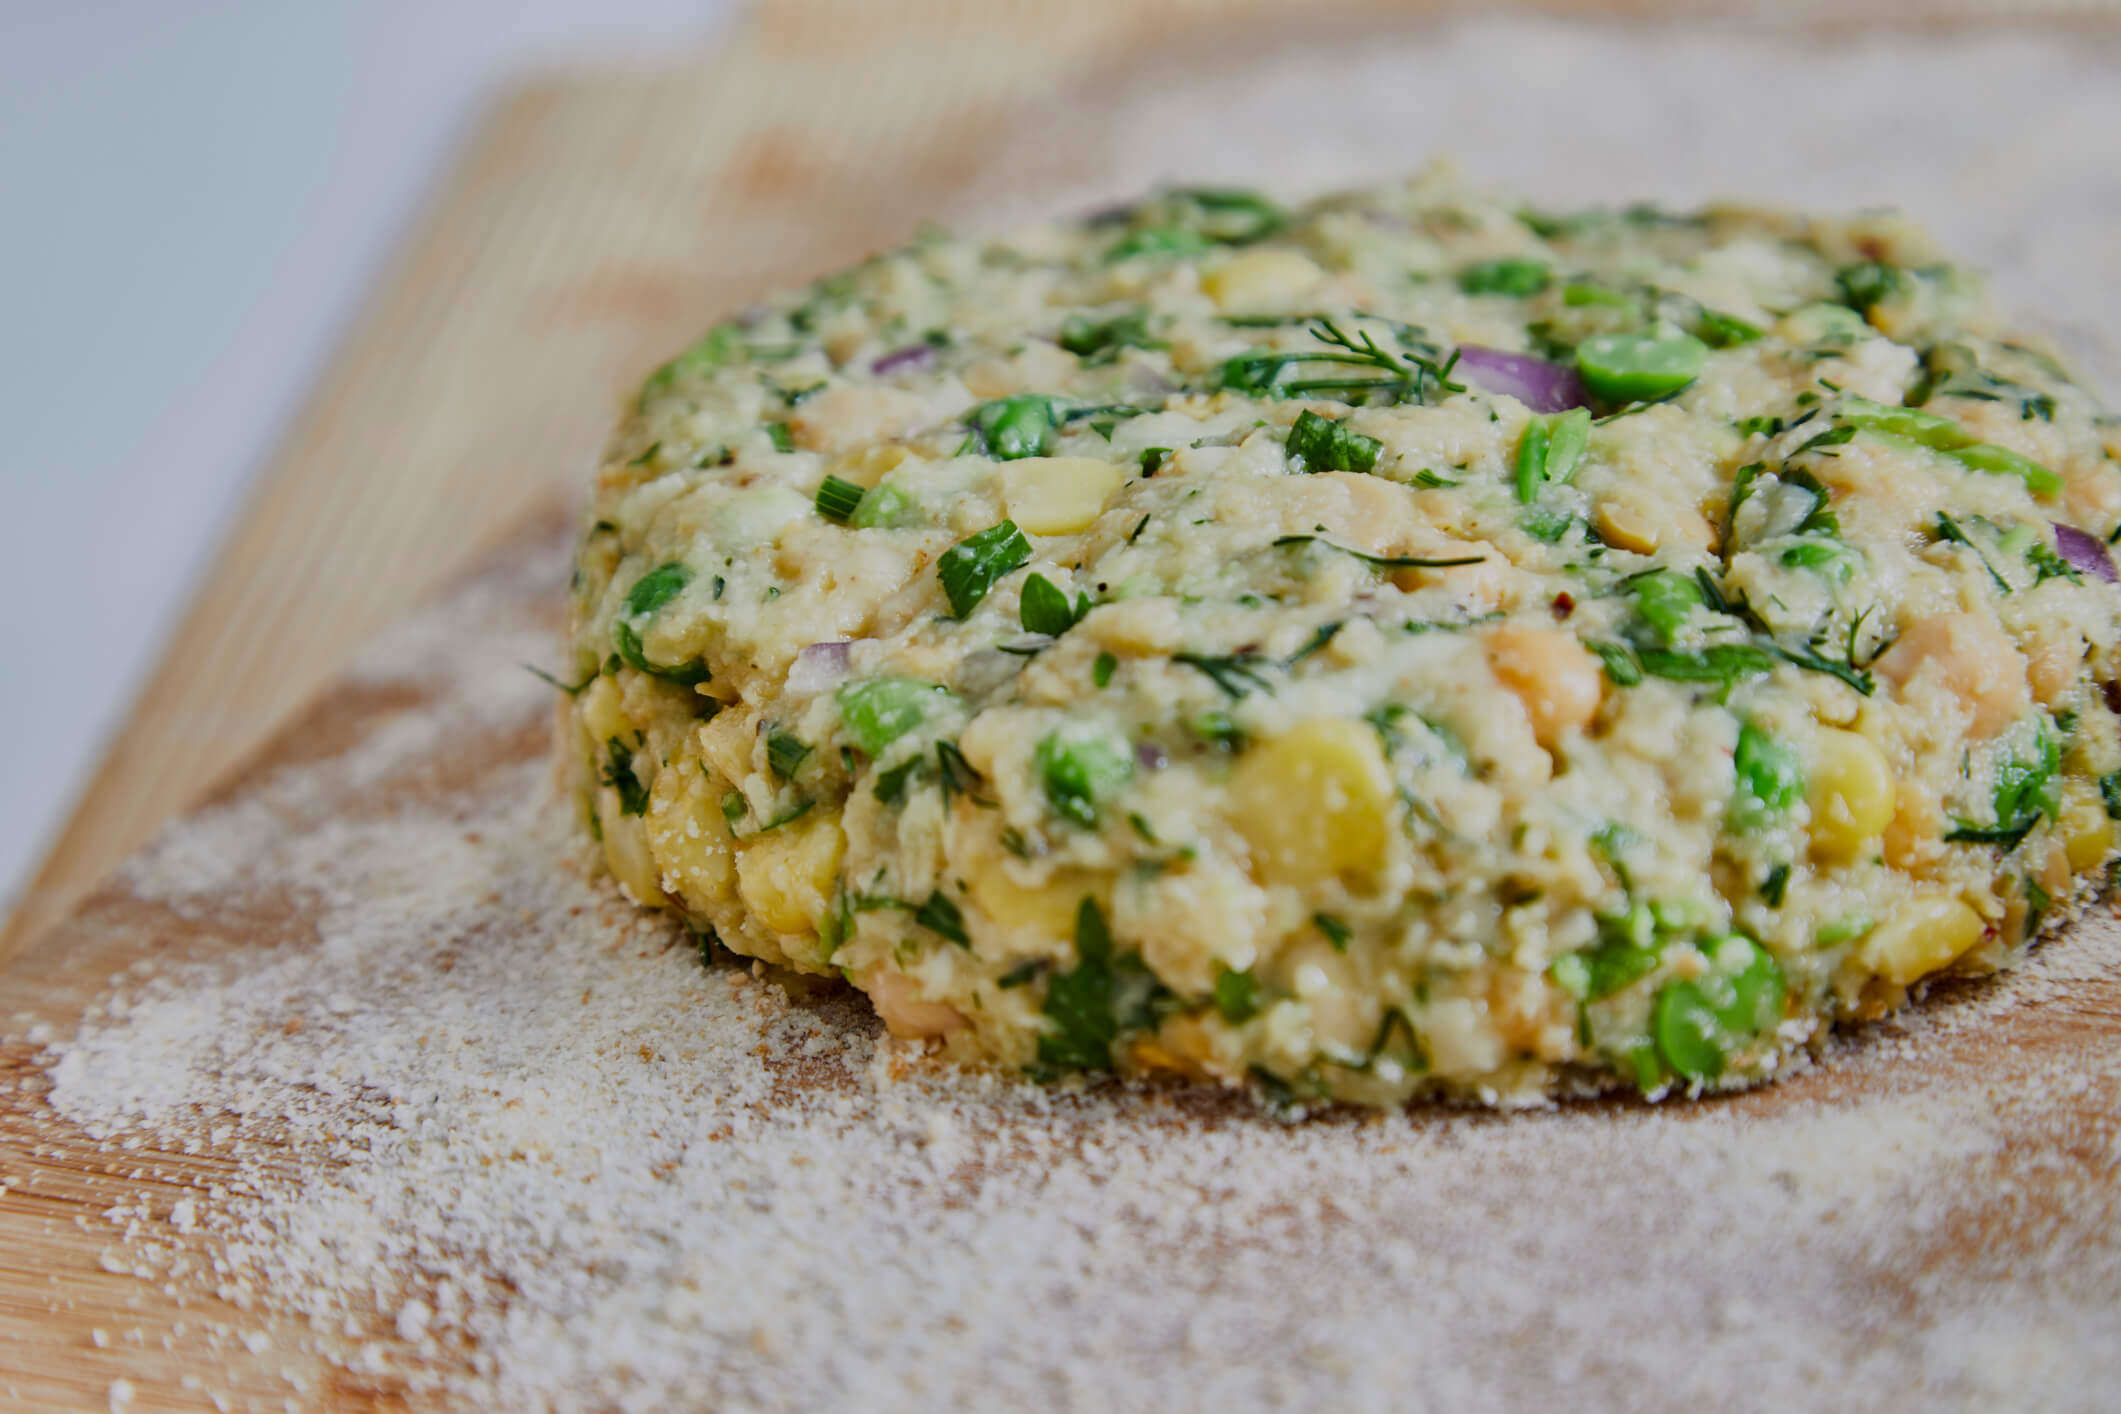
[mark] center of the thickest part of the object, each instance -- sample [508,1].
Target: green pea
[1756,983]
[878,711]
[1079,773]
[1631,368]
[1667,602]
[1015,427]
[1770,779]
[1698,1025]
[1686,1032]
[885,506]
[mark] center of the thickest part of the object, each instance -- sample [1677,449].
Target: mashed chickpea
[1403,644]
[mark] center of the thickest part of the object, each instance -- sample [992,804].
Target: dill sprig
[1402,378]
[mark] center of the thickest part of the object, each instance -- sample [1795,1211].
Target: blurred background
[198,194]
[307,302]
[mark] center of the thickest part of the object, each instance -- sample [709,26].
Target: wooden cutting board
[596,221]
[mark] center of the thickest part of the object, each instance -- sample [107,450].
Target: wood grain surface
[596,221]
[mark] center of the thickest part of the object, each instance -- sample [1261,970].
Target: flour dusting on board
[545,1158]
[504,1143]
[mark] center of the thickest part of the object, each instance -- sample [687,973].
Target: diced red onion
[2086,551]
[1150,756]
[985,669]
[1146,385]
[1539,385]
[818,666]
[904,360]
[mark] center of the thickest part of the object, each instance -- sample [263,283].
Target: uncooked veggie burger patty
[1408,643]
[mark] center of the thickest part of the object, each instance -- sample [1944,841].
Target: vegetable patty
[1404,644]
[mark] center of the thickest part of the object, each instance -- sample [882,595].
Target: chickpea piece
[1555,676]
[1970,657]
[906,1014]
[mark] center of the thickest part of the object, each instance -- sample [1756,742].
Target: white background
[193,197]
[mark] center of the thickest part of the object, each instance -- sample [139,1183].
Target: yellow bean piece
[1922,937]
[1058,495]
[1314,802]
[1851,794]
[1260,277]
[785,876]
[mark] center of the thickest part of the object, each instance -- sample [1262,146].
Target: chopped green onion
[785,752]
[1551,449]
[1941,434]
[1385,562]
[939,915]
[838,500]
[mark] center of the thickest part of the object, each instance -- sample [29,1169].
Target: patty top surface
[1407,642]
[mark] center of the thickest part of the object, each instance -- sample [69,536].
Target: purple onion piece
[904,360]
[1539,385]
[819,666]
[1150,756]
[2085,551]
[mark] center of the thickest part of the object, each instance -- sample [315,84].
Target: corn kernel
[865,466]
[785,876]
[1922,937]
[1058,495]
[1627,529]
[1314,802]
[2087,832]
[1260,277]
[690,840]
[601,715]
[1851,795]
[626,850]
[726,741]
[1046,910]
